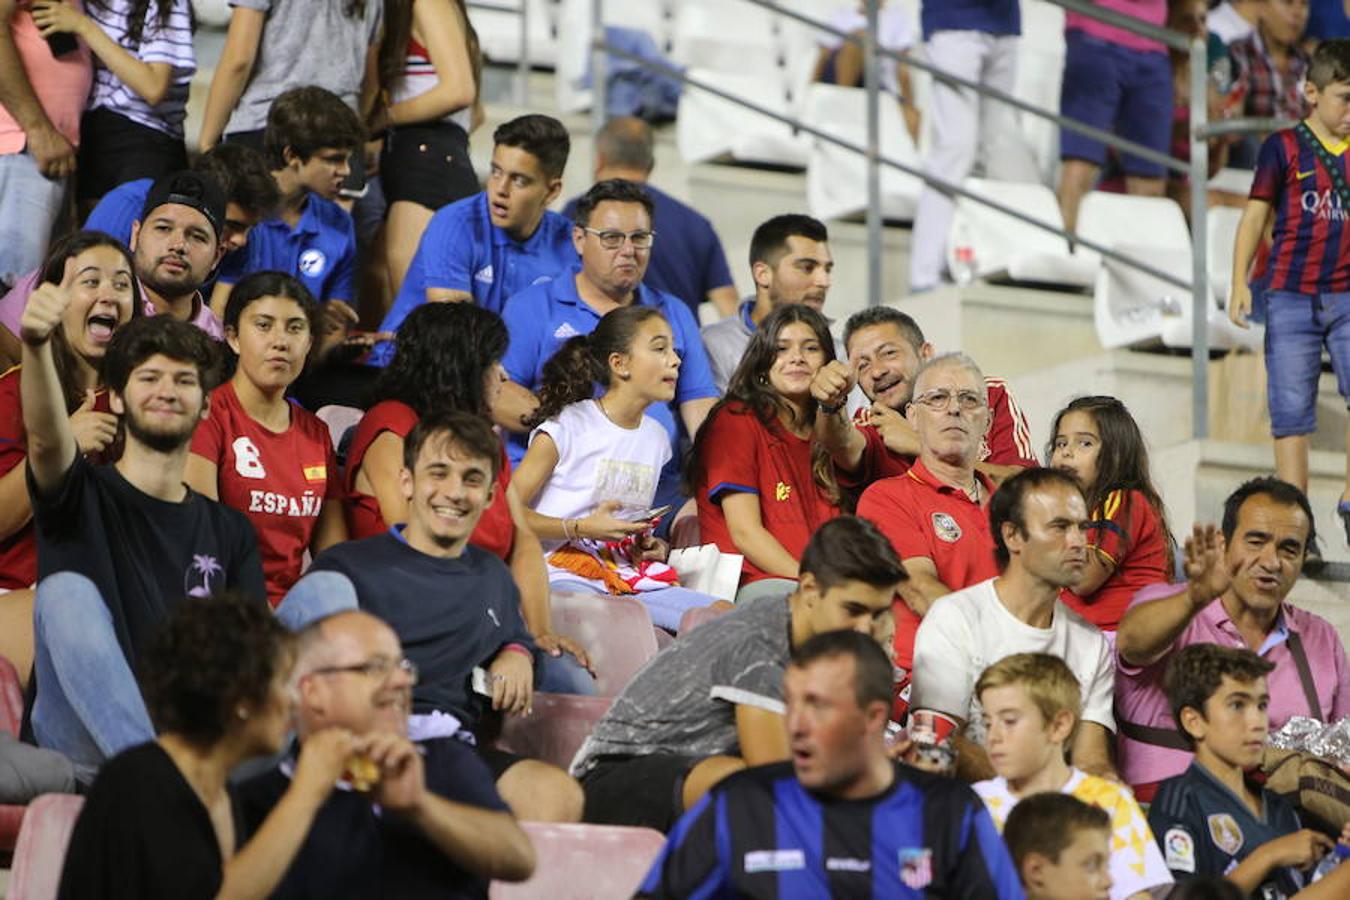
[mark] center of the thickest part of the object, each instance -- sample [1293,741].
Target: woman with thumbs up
[96,270]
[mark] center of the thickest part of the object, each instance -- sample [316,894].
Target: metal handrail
[523,60]
[1197,168]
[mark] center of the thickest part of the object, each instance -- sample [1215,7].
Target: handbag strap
[1305,677]
[1329,162]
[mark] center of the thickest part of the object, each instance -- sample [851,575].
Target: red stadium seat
[11,720]
[580,862]
[36,873]
[698,615]
[616,632]
[555,729]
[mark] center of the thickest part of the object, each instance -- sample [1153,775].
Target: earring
[242,713]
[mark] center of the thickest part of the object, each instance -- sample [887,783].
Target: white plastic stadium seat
[836,178]
[1010,248]
[725,35]
[1132,308]
[710,128]
[499,32]
[1221,225]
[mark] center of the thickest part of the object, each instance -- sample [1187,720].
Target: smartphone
[480,681]
[647,515]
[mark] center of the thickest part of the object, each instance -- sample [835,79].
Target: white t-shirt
[895,31]
[1136,862]
[599,461]
[967,631]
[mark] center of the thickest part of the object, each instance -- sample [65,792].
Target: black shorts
[637,790]
[497,761]
[114,150]
[427,163]
[354,185]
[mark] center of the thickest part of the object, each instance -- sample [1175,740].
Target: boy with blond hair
[1031,704]
[1061,847]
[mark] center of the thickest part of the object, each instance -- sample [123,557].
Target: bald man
[425,820]
[690,264]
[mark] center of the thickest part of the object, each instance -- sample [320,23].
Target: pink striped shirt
[1154,12]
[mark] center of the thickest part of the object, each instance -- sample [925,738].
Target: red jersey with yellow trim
[18,552]
[1008,442]
[1128,533]
[923,517]
[280,480]
[495,532]
[742,455]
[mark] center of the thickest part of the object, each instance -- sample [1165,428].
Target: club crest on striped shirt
[916,867]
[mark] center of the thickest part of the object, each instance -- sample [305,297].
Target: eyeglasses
[941,400]
[613,240]
[380,667]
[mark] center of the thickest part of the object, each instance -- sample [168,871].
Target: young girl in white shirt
[590,473]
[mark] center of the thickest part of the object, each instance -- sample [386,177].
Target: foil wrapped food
[1330,742]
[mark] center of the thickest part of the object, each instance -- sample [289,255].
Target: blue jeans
[321,594]
[88,704]
[1297,327]
[29,205]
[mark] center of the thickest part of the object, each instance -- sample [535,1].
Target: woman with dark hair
[591,470]
[448,357]
[133,124]
[257,451]
[430,66]
[160,820]
[1097,441]
[99,273]
[761,485]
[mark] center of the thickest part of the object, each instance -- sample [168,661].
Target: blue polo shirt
[119,209]
[320,251]
[687,260]
[541,318]
[461,250]
[989,16]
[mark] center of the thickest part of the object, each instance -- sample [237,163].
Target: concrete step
[1194,478]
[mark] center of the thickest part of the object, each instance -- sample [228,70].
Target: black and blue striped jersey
[760,834]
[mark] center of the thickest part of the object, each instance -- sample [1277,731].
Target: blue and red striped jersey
[1311,249]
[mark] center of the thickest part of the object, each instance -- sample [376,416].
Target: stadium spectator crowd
[280,657]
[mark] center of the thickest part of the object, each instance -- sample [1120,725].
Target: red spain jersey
[280,480]
[742,455]
[18,552]
[923,517]
[1008,442]
[1310,253]
[495,533]
[1127,533]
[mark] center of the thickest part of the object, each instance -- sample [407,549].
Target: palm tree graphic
[203,567]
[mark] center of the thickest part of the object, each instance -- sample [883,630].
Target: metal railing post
[599,67]
[872,82]
[1200,289]
[523,61]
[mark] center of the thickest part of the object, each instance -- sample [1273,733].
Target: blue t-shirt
[1327,19]
[687,260]
[320,251]
[1204,830]
[540,319]
[989,16]
[760,833]
[119,209]
[461,250]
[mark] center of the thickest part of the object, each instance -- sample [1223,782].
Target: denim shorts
[1117,89]
[1298,326]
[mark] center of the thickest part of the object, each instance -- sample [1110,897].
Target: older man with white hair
[935,515]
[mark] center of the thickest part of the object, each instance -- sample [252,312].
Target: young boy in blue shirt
[1214,819]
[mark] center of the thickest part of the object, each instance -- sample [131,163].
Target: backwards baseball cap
[186,188]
